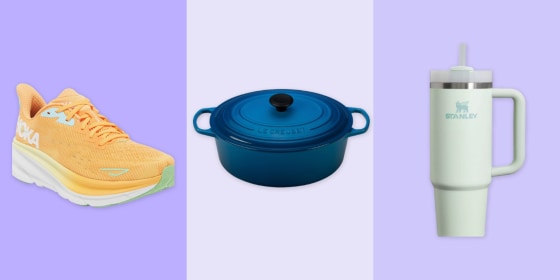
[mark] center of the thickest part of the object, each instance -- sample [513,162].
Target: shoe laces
[90,120]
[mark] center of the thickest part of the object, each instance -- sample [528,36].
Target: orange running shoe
[68,147]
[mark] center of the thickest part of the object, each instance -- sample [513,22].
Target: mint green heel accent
[167,180]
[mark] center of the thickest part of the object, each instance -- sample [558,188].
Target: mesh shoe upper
[71,131]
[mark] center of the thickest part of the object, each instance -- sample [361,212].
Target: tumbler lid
[461,76]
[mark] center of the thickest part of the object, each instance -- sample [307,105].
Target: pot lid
[282,119]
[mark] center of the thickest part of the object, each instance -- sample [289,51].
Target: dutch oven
[281,137]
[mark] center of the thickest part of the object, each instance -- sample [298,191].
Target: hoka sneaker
[68,147]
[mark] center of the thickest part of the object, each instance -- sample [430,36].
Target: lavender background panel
[129,58]
[517,42]
[237,230]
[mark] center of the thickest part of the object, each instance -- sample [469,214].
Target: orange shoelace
[95,123]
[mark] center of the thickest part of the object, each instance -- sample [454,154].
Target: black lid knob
[281,101]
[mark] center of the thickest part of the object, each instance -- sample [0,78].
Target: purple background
[126,55]
[516,41]
[129,58]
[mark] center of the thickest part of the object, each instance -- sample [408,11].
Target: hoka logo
[27,134]
[114,172]
[61,117]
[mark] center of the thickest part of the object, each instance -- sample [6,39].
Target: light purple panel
[128,57]
[519,43]
[237,230]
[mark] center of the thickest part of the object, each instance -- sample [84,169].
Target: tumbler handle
[518,130]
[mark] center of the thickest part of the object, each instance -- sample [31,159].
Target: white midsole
[29,171]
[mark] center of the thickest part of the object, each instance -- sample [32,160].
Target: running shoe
[68,147]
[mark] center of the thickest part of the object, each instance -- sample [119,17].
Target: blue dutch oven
[281,137]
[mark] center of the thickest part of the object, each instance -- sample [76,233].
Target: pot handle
[208,131]
[355,131]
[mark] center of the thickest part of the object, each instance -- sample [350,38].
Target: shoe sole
[28,170]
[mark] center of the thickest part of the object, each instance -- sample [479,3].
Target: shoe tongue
[68,96]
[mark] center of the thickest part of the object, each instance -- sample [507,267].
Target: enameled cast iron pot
[281,137]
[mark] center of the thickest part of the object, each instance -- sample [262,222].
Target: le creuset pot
[281,137]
